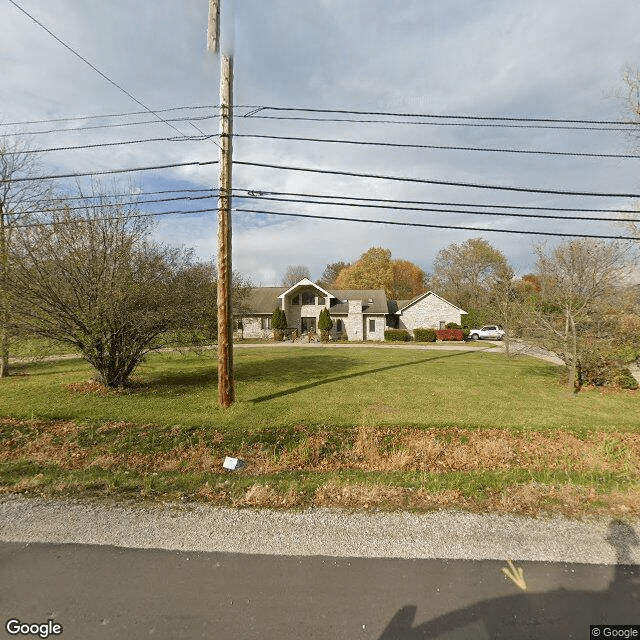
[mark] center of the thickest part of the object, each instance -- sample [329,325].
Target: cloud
[474,57]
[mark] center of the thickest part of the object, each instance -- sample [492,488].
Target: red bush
[450,334]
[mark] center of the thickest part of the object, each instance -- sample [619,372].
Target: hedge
[396,335]
[448,335]
[424,335]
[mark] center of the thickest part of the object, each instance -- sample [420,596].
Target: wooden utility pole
[225,328]
[225,319]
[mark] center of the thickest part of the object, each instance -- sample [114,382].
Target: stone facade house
[427,310]
[360,314]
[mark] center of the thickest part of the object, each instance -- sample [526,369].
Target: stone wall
[252,328]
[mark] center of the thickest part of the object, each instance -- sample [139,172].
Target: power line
[470,185]
[255,109]
[433,146]
[129,194]
[438,115]
[108,126]
[474,213]
[442,124]
[105,115]
[435,226]
[133,203]
[115,144]
[92,66]
[328,201]
[260,192]
[108,171]
[333,218]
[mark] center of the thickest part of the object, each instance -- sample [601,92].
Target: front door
[307,324]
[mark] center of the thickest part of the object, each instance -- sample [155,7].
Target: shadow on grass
[294,367]
[356,374]
[174,380]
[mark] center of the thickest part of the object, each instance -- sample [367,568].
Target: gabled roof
[404,304]
[305,282]
[262,300]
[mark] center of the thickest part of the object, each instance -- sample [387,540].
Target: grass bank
[389,428]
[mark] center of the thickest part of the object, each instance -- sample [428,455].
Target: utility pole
[225,326]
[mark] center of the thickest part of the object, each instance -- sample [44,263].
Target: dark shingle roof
[263,300]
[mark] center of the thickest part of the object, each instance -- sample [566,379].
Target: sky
[521,59]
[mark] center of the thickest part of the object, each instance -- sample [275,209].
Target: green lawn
[284,387]
[303,414]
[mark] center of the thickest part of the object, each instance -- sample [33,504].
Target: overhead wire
[435,226]
[98,145]
[441,124]
[428,202]
[433,146]
[109,171]
[92,66]
[470,185]
[257,108]
[113,125]
[106,115]
[428,210]
[332,218]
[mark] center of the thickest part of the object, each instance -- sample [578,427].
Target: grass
[389,428]
[33,347]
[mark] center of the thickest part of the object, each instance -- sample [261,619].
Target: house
[357,314]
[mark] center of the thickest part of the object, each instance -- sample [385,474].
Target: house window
[320,300]
[339,326]
[307,325]
[308,297]
[295,300]
[266,322]
[372,325]
[443,324]
[237,324]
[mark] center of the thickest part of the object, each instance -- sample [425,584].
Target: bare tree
[95,281]
[22,191]
[579,280]
[295,273]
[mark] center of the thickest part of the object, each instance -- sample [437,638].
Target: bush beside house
[449,335]
[424,335]
[397,335]
[278,324]
[324,324]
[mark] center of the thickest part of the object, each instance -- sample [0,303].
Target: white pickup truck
[488,332]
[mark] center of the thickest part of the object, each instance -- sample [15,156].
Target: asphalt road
[195,571]
[98,592]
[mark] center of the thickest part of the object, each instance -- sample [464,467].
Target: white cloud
[546,58]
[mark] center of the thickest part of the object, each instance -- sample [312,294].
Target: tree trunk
[4,296]
[573,346]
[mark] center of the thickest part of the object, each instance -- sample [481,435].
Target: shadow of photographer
[559,613]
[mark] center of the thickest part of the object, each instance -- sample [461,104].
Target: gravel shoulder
[198,527]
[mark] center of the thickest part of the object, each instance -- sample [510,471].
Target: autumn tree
[22,191]
[466,273]
[294,273]
[330,274]
[375,269]
[372,271]
[99,284]
[408,280]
